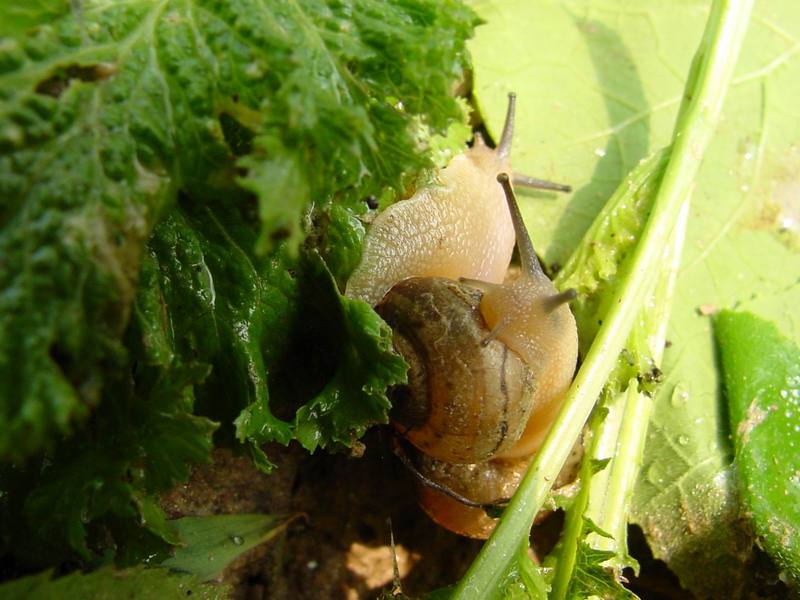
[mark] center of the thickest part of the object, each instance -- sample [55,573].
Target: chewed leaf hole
[56,84]
[238,137]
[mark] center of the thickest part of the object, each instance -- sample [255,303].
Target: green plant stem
[627,437]
[705,91]
[607,506]
[620,436]
[567,550]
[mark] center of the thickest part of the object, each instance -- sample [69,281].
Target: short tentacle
[553,302]
[540,184]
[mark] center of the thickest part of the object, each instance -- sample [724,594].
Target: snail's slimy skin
[459,228]
[482,483]
[546,338]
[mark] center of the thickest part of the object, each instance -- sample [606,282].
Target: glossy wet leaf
[160,161]
[761,371]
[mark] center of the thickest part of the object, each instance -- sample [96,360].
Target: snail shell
[466,401]
[483,483]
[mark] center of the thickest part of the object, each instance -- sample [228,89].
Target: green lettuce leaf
[291,357]
[109,111]
[100,485]
[160,164]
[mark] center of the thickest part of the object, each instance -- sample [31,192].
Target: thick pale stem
[619,434]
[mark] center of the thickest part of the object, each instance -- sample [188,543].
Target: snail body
[533,319]
[488,360]
[458,228]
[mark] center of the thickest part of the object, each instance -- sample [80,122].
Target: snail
[488,360]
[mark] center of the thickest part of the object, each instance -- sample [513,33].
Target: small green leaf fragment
[598,464]
[211,543]
[591,579]
[590,526]
[106,584]
[440,594]
[340,239]
[761,371]
[526,580]
[355,397]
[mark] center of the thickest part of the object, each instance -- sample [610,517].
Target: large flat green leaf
[599,85]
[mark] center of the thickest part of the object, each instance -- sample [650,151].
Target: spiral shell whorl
[465,401]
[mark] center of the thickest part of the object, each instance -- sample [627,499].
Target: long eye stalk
[504,147]
[527,256]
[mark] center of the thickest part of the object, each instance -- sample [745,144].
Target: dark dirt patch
[341,548]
